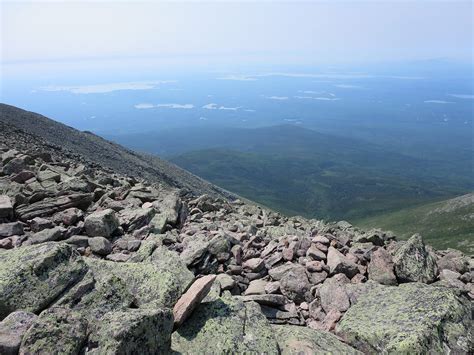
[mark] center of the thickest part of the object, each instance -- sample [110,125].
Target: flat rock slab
[412,318]
[34,276]
[225,326]
[303,340]
[191,298]
[6,207]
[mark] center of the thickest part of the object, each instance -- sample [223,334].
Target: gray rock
[315,254]
[226,325]
[454,261]
[157,283]
[12,330]
[133,219]
[268,300]
[338,263]
[9,229]
[380,268]
[333,295]
[56,331]
[278,272]
[295,285]
[256,287]
[226,282]
[49,206]
[23,272]
[100,245]
[302,340]
[254,265]
[6,207]
[133,331]
[78,240]
[413,263]
[101,223]
[194,250]
[37,224]
[47,235]
[412,318]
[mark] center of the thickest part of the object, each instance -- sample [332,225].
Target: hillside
[100,151]
[95,261]
[443,224]
[300,171]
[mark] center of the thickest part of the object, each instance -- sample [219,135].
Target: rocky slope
[100,260]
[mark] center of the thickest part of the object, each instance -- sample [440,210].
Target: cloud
[230,108]
[249,110]
[106,88]
[438,102]
[144,106]
[331,76]
[327,98]
[317,98]
[238,78]
[311,92]
[203,118]
[178,106]
[277,97]
[217,107]
[348,86]
[462,96]
[210,107]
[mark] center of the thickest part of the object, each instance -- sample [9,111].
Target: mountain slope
[100,151]
[435,221]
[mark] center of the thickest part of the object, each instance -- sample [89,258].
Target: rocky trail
[95,260]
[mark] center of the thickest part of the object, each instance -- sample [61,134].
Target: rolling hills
[447,223]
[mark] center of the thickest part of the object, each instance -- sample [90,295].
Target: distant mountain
[448,223]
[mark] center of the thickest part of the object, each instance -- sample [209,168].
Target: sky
[190,32]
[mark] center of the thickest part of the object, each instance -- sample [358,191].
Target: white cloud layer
[438,102]
[106,88]
[462,96]
[144,106]
[281,98]
[217,107]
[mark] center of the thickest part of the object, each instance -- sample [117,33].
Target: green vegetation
[442,224]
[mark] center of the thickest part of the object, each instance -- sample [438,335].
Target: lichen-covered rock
[96,295]
[100,245]
[12,330]
[133,331]
[34,276]
[412,318]
[101,223]
[413,263]
[154,285]
[56,331]
[47,235]
[307,341]
[226,325]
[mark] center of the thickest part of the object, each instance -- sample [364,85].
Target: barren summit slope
[95,149]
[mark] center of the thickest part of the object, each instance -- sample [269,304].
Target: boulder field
[92,261]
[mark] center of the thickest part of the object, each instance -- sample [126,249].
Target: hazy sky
[306,32]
